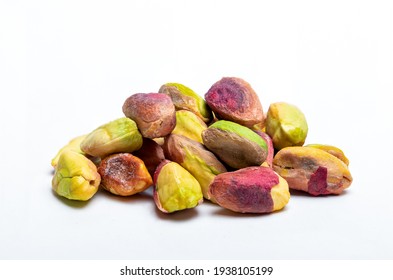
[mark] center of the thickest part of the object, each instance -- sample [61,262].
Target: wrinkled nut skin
[75,177]
[233,99]
[154,113]
[338,153]
[250,190]
[124,174]
[190,125]
[312,170]
[175,188]
[270,147]
[120,135]
[185,98]
[151,154]
[236,145]
[73,145]
[286,125]
[195,158]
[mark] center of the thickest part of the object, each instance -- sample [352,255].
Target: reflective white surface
[66,67]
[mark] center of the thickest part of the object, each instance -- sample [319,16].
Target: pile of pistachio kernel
[222,148]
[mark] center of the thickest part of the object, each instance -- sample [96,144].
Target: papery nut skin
[233,99]
[75,177]
[236,145]
[195,158]
[154,113]
[175,188]
[312,170]
[151,153]
[286,125]
[124,174]
[120,135]
[250,190]
[190,125]
[185,98]
[337,152]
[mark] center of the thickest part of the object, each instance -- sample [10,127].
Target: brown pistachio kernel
[154,113]
[312,170]
[124,174]
[185,98]
[151,154]
[338,153]
[233,99]
[194,157]
[250,190]
[175,188]
[190,125]
[236,145]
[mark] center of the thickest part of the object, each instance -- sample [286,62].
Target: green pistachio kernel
[120,135]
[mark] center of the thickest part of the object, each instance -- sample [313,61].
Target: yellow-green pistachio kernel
[120,135]
[190,125]
[286,125]
[175,188]
[194,157]
[185,98]
[73,145]
[338,153]
[75,177]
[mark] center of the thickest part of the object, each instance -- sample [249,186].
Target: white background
[66,67]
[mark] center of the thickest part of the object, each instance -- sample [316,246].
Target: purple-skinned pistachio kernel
[233,99]
[250,190]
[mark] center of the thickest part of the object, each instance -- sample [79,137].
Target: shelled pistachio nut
[190,125]
[312,170]
[185,98]
[286,125]
[236,145]
[194,157]
[75,177]
[233,99]
[175,188]
[73,145]
[331,150]
[154,113]
[120,135]
[124,174]
[250,190]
